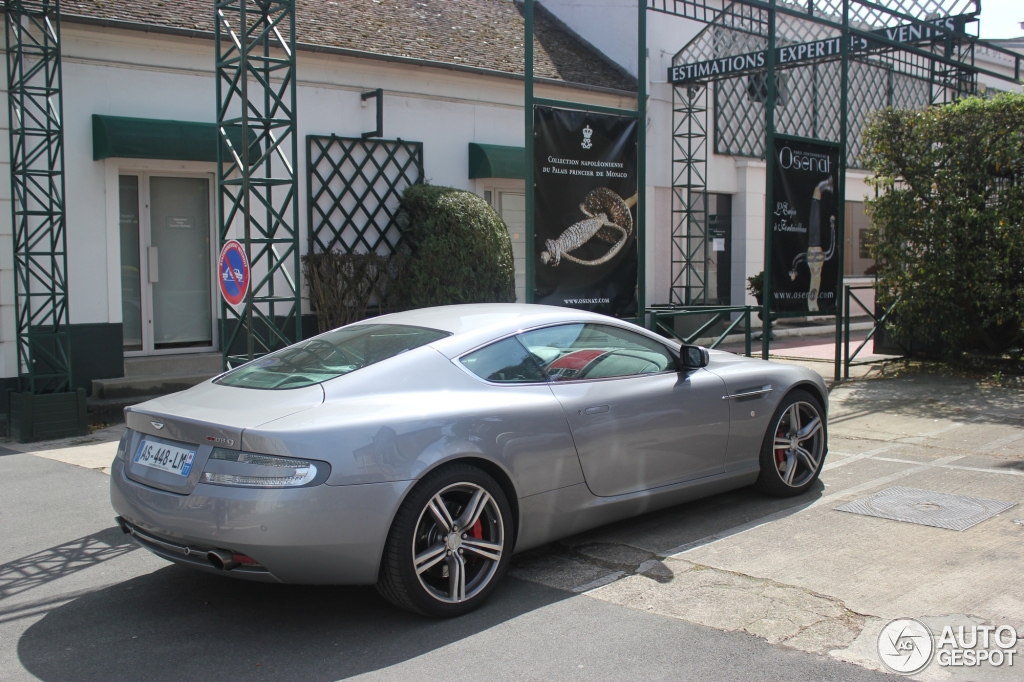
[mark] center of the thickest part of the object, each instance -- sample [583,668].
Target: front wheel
[449,544]
[794,446]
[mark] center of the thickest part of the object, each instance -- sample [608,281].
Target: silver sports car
[418,451]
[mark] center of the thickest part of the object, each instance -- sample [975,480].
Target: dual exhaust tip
[222,560]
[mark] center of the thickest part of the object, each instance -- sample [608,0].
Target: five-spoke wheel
[794,446]
[448,545]
[458,543]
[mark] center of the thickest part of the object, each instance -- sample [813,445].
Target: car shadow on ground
[675,529]
[176,623]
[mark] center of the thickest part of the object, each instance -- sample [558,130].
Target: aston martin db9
[418,451]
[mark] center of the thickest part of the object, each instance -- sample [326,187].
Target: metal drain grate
[927,507]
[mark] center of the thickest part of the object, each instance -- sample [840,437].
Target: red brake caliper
[476,531]
[780,454]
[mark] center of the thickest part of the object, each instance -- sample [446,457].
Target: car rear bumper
[319,535]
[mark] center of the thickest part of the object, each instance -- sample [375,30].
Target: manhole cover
[927,507]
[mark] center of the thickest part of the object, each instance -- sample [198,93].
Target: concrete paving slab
[95,451]
[733,602]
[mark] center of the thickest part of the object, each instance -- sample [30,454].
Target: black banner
[805,261]
[585,247]
[820,50]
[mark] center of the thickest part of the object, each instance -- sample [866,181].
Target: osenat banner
[585,211]
[805,264]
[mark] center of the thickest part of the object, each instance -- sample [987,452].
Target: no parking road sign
[233,267]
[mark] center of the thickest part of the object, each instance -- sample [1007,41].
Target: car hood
[213,414]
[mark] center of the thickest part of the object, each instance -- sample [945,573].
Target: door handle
[598,409]
[154,264]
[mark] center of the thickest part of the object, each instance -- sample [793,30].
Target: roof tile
[480,33]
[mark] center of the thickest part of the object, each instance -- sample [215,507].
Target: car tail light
[252,470]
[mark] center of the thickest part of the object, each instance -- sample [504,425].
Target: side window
[504,362]
[595,351]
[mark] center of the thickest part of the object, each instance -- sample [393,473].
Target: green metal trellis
[37,194]
[689,250]
[825,96]
[354,186]
[257,196]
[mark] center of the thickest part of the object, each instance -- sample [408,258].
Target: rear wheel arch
[503,479]
[493,470]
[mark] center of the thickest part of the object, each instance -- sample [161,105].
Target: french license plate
[171,458]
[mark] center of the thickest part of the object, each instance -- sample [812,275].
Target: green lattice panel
[355,186]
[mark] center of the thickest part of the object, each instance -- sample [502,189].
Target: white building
[140,195]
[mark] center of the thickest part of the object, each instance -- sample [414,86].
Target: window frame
[674,354]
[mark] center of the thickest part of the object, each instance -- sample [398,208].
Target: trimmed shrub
[948,222]
[457,250]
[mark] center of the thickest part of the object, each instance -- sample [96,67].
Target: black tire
[776,461]
[444,556]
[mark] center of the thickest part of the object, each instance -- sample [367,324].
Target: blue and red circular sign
[233,268]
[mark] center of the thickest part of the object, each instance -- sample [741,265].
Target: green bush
[457,250]
[948,221]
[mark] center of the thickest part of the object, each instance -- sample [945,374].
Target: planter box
[33,417]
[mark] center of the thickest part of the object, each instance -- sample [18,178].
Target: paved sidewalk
[95,451]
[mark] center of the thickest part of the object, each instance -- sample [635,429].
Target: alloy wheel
[458,542]
[799,444]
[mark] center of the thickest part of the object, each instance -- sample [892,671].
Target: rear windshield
[330,355]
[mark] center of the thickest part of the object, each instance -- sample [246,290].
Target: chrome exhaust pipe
[221,559]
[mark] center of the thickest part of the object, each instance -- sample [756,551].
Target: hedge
[457,250]
[948,222]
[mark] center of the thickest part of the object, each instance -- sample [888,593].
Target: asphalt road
[79,601]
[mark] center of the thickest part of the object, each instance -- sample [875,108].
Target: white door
[166,272]
[512,208]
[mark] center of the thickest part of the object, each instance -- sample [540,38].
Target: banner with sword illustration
[805,206]
[585,247]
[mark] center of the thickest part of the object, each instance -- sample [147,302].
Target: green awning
[496,161]
[150,138]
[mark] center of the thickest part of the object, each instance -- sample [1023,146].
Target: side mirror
[694,357]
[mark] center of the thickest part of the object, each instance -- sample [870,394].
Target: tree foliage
[458,250]
[948,221]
